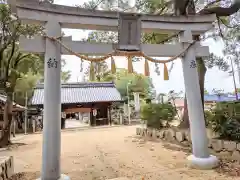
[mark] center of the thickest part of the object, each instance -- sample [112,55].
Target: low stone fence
[7,167]
[223,148]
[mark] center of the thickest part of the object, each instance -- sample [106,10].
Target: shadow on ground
[15,145]
[25,176]
[226,166]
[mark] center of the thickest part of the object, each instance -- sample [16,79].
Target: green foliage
[135,83]
[158,115]
[101,71]
[208,117]
[226,120]
[206,91]
[125,83]
[21,71]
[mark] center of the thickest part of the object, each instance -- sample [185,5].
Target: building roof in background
[179,102]
[218,98]
[83,92]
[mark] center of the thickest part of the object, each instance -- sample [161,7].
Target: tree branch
[19,59]
[211,3]
[9,62]
[221,11]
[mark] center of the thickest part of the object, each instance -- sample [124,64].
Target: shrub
[208,116]
[158,115]
[226,121]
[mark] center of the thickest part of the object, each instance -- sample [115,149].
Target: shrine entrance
[130,26]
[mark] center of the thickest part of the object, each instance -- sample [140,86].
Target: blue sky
[214,78]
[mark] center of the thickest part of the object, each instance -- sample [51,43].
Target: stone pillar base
[203,163]
[63,177]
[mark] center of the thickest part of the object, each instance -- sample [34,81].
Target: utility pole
[129,113]
[238,70]
[13,116]
[234,81]
[26,114]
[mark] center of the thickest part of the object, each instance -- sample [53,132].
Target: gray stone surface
[154,134]
[209,143]
[180,136]
[158,134]
[144,132]
[7,167]
[238,146]
[236,155]
[188,136]
[217,144]
[225,154]
[170,134]
[138,131]
[229,145]
[225,149]
[149,132]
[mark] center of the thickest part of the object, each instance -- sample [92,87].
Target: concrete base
[203,163]
[63,177]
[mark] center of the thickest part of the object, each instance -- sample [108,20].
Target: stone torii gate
[54,17]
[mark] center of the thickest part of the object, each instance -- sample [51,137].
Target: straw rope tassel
[123,53]
[146,68]
[91,77]
[113,66]
[166,75]
[130,65]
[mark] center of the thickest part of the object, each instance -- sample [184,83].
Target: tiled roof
[81,93]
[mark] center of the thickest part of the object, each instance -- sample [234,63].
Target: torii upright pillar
[51,149]
[201,158]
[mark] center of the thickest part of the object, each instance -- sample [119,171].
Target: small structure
[16,107]
[94,98]
[17,110]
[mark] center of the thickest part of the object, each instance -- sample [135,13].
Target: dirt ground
[99,154]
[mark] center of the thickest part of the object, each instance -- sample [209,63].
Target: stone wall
[7,167]
[223,148]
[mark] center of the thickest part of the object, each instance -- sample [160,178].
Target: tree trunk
[201,73]
[5,138]
[13,127]
[222,11]
[184,124]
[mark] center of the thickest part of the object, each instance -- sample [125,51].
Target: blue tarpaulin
[219,98]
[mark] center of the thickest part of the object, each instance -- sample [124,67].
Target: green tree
[65,75]
[101,70]
[238,90]
[25,85]
[206,91]
[19,71]
[133,83]
[13,63]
